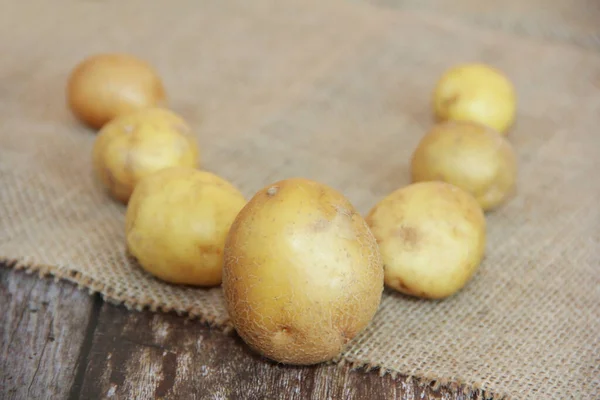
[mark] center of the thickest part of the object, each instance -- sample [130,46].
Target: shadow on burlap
[339,92]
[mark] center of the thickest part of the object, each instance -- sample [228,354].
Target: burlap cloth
[337,91]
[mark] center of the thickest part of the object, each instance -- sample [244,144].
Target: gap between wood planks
[86,347]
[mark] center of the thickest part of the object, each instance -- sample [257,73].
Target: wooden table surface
[62,343]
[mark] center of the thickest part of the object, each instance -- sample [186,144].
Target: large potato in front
[135,145]
[176,224]
[105,86]
[478,93]
[302,273]
[432,237]
[471,156]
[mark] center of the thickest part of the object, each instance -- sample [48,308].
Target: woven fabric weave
[336,91]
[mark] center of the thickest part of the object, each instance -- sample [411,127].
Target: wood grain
[59,342]
[43,328]
[144,355]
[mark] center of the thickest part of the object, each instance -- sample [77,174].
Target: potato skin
[176,224]
[107,85]
[135,145]
[476,92]
[302,274]
[471,156]
[432,238]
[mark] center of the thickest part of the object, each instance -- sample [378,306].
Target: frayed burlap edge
[110,296]
[454,385]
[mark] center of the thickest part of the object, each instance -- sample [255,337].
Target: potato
[302,274]
[104,86]
[176,224]
[432,237]
[476,92]
[135,145]
[471,156]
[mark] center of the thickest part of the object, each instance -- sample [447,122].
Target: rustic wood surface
[62,343]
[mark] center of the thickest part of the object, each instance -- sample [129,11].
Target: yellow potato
[478,93]
[302,274]
[432,237]
[104,86]
[135,145]
[176,224]
[471,156]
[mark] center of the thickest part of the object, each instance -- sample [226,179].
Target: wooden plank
[43,328]
[146,355]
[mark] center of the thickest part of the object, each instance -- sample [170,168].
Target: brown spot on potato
[343,211]
[320,225]
[451,100]
[424,295]
[209,249]
[347,334]
[399,283]
[285,329]
[322,194]
[459,140]
[110,178]
[402,287]
[408,234]
[399,199]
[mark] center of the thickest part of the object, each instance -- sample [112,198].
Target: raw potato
[105,86]
[471,156]
[135,145]
[176,224]
[478,93]
[302,273]
[432,237]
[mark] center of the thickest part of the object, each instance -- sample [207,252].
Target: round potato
[135,145]
[302,274]
[176,224]
[478,93]
[104,86]
[471,156]
[432,238]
